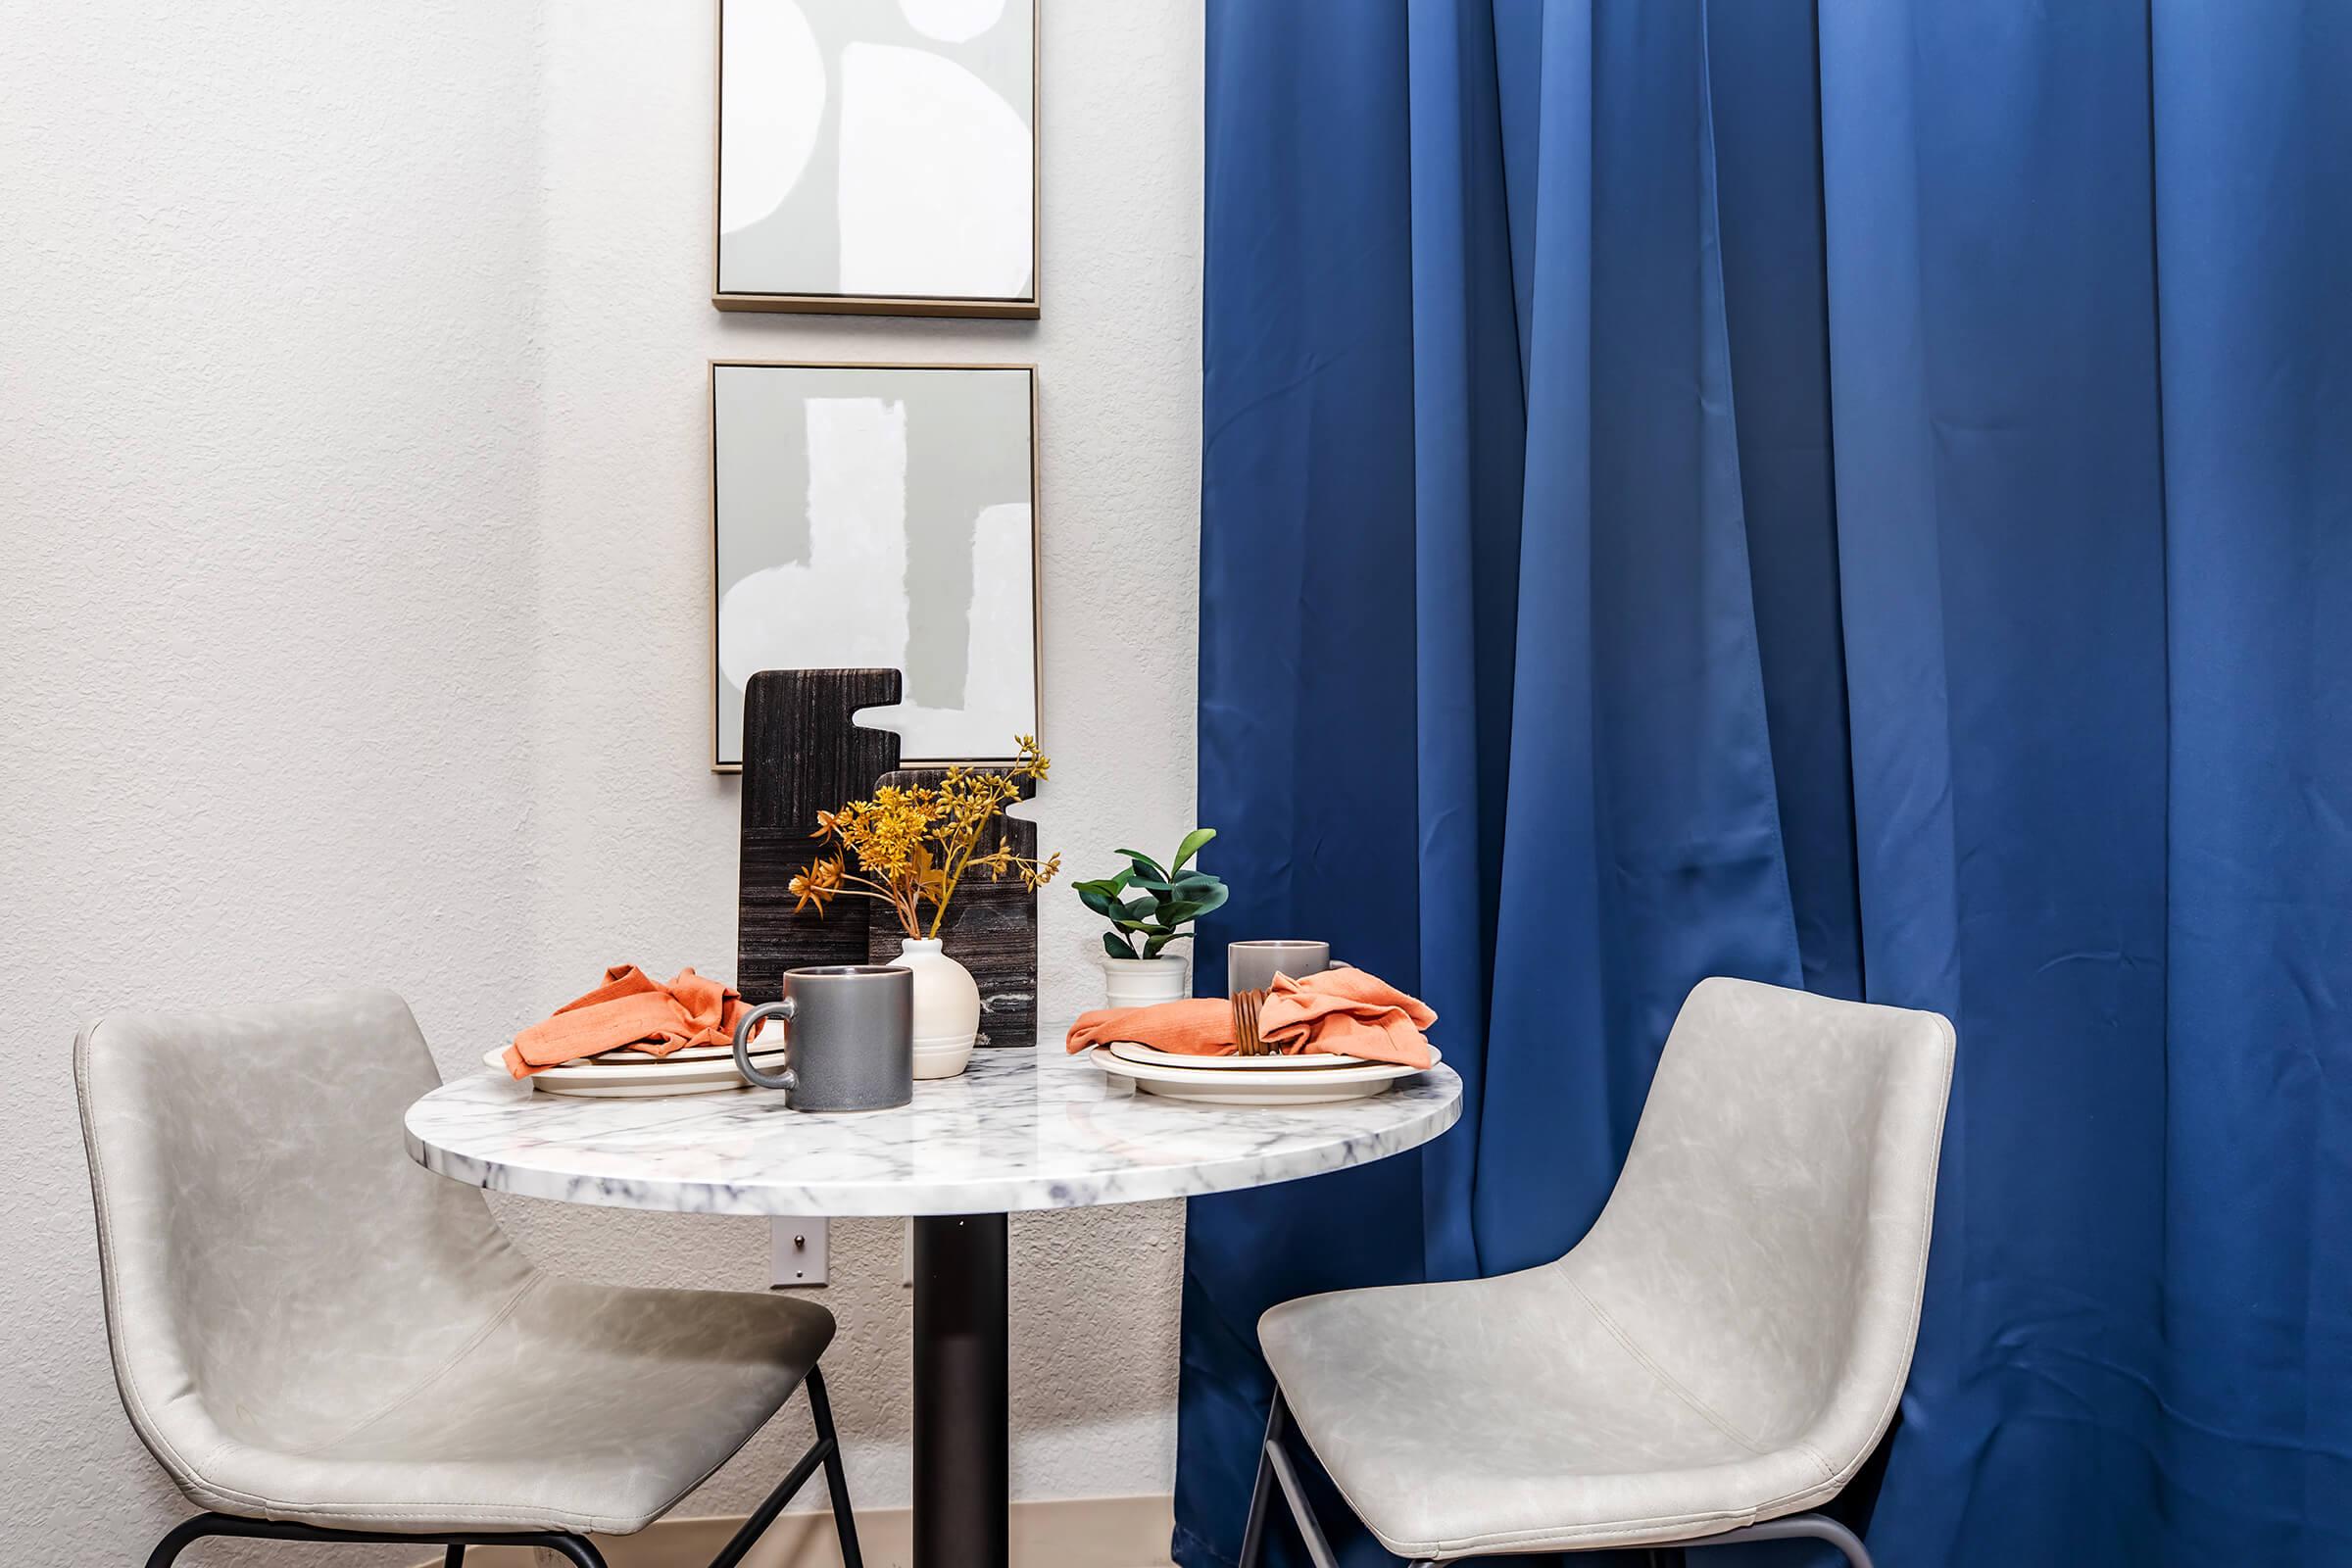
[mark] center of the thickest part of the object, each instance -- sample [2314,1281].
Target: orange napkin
[1344,1012]
[630,1008]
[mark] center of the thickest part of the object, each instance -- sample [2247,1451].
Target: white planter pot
[946,1008]
[1141,982]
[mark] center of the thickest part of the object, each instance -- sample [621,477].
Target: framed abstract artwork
[877,157]
[879,515]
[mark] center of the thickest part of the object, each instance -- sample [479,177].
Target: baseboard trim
[1048,1533]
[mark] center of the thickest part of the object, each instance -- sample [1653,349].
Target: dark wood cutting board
[804,753]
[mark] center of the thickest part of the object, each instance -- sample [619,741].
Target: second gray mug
[1253,965]
[849,1040]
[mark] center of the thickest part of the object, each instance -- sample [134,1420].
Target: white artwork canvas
[880,515]
[878,155]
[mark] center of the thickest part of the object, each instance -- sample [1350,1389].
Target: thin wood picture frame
[1026,306]
[720,762]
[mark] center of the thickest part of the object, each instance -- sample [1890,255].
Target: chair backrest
[273,1260]
[1766,1246]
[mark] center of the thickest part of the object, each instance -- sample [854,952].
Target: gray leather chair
[319,1341]
[1719,1358]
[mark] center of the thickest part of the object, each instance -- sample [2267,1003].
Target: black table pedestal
[962,1454]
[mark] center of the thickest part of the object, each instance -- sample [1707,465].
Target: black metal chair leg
[1799,1527]
[1261,1494]
[209,1524]
[168,1549]
[824,1452]
[1302,1512]
[837,1480]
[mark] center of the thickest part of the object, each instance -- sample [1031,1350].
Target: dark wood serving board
[805,753]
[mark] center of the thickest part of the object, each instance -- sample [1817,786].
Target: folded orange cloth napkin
[631,1009]
[1344,1012]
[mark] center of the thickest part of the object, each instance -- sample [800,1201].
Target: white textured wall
[353,593]
[638,839]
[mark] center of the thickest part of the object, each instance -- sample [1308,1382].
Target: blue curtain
[1856,496]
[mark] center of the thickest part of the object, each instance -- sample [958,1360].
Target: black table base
[962,1445]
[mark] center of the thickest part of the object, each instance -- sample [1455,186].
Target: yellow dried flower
[915,846]
[820,883]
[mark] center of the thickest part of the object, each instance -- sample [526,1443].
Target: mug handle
[787,1080]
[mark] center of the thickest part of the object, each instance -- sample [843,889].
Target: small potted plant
[1136,971]
[912,848]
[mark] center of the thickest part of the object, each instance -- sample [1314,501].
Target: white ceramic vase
[1141,982]
[946,1008]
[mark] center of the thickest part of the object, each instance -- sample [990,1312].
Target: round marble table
[1019,1130]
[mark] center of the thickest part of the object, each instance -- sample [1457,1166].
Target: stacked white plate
[1311,1078]
[632,1074]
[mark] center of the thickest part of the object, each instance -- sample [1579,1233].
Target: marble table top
[1019,1130]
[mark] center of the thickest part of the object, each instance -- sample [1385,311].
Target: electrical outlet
[800,1251]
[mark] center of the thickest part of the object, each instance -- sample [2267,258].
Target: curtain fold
[2253,156]
[1306,646]
[1850,496]
[2002,528]
[1469,426]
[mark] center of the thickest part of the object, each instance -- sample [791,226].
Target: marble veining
[1021,1129]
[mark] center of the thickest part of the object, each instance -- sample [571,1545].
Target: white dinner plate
[596,1078]
[1228,1087]
[1313,1060]
[682,1054]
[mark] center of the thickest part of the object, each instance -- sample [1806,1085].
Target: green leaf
[1140,910]
[1099,897]
[1178,910]
[1117,946]
[1144,866]
[1200,897]
[1152,946]
[1191,846]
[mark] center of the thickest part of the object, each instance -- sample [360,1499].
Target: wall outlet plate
[799,1251]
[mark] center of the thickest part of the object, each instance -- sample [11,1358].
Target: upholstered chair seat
[566,1407]
[309,1328]
[1726,1346]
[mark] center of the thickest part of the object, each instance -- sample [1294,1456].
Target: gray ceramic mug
[1253,965]
[849,1038]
